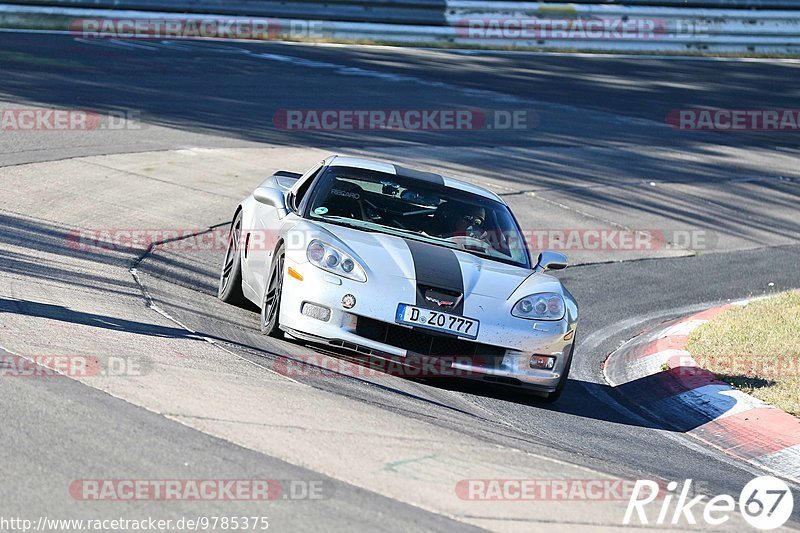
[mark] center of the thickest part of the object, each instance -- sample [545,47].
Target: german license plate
[436,320]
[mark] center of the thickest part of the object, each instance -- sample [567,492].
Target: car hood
[433,265]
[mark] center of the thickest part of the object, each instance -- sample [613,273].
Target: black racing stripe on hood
[437,268]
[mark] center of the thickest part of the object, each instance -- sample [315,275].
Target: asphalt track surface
[604,115]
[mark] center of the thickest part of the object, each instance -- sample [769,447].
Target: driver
[469,221]
[457,219]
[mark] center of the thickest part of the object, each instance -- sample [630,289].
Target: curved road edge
[655,371]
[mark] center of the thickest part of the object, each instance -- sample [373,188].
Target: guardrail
[386,11]
[721,4]
[370,8]
[540,25]
[625,27]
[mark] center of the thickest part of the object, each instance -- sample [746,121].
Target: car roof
[405,172]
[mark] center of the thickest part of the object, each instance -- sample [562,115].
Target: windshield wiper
[370,226]
[344,221]
[404,230]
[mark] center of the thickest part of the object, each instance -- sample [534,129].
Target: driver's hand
[484,237]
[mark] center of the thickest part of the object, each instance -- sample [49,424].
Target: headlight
[542,306]
[332,259]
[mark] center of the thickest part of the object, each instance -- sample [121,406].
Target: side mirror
[271,197]
[551,261]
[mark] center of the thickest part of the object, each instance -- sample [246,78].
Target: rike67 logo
[766,503]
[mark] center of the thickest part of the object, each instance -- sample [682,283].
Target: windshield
[411,208]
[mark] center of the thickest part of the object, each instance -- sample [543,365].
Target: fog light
[316,311]
[543,361]
[348,301]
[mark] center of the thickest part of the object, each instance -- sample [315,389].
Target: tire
[230,278]
[553,397]
[271,302]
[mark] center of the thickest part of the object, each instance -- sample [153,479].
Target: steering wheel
[470,242]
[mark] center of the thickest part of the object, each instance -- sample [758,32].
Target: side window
[301,192]
[303,184]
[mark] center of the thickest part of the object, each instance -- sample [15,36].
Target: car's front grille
[424,343]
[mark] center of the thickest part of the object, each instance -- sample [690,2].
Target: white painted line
[138,45]
[683,328]
[151,304]
[720,401]
[638,57]
[744,402]
[708,400]
[46,32]
[649,365]
[785,463]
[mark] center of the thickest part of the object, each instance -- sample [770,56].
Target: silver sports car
[379,259]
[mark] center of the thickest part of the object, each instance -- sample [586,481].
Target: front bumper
[501,353]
